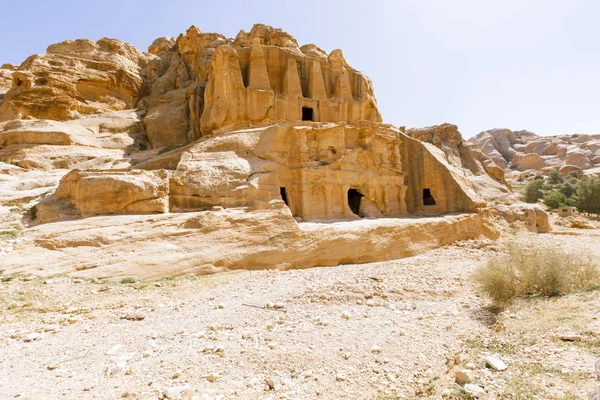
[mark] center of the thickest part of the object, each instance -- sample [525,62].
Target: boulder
[528,161]
[531,216]
[107,192]
[578,158]
[569,169]
[38,132]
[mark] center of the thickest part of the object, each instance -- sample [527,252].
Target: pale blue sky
[480,64]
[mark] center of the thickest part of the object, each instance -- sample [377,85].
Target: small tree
[568,189]
[533,191]
[555,178]
[588,195]
[555,199]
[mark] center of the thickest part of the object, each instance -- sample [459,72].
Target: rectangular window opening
[307,114]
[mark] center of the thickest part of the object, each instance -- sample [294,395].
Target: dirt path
[371,331]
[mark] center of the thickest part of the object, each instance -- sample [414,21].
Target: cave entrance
[307,114]
[428,199]
[354,198]
[284,197]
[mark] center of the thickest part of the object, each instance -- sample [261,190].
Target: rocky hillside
[526,151]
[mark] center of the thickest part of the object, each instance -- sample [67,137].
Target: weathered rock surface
[6,72]
[210,241]
[76,77]
[523,150]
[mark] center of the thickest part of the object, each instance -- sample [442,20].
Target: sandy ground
[389,330]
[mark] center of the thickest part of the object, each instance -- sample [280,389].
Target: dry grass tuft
[535,271]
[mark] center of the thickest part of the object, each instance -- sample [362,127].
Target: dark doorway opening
[428,199]
[354,198]
[283,194]
[307,114]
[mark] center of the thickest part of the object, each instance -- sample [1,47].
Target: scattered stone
[220,306]
[474,390]
[52,328]
[463,376]
[340,378]
[213,377]
[455,393]
[278,306]
[375,349]
[177,374]
[115,369]
[270,383]
[345,315]
[459,358]
[33,336]
[219,349]
[174,393]
[134,316]
[52,367]
[495,363]
[571,337]
[470,365]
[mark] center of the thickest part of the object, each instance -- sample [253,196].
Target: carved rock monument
[204,125]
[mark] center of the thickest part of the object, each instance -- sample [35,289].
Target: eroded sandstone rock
[523,151]
[107,192]
[75,77]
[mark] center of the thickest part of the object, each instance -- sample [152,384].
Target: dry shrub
[535,270]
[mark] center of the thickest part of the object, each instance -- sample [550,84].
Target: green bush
[588,195]
[555,199]
[555,177]
[533,191]
[537,270]
[568,188]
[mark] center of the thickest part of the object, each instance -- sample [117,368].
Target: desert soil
[388,330]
